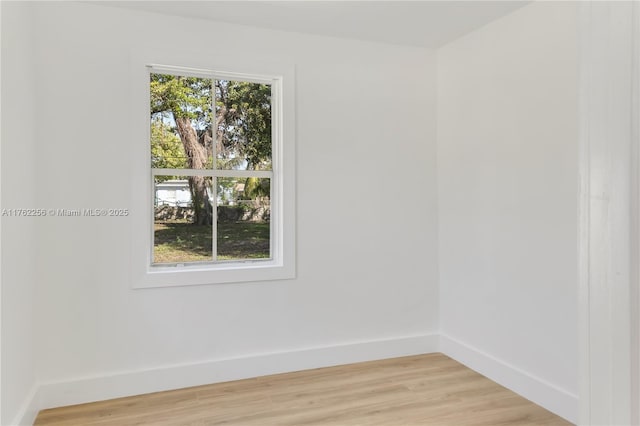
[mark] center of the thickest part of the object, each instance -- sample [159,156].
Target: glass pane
[244,211]
[243,116]
[182,224]
[181,117]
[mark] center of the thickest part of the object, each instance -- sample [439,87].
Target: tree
[186,101]
[244,134]
[256,188]
[242,122]
[166,149]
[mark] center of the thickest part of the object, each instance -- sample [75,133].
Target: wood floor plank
[427,389]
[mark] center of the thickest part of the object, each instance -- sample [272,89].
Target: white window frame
[281,264]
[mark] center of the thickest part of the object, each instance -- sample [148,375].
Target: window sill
[232,272]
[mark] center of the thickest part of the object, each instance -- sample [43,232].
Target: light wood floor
[418,390]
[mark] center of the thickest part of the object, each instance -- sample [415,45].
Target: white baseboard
[129,383]
[121,384]
[554,399]
[29,410]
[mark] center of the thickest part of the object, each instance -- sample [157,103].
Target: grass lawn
[181,241]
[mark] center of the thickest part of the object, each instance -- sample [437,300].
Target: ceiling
[416,23]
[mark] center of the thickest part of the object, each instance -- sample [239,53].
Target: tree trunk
[196,159]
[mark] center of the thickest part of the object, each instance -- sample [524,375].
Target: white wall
[18,191]
[507,188]
[367,282]
[366,262]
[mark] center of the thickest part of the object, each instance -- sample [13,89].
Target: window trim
[281,265]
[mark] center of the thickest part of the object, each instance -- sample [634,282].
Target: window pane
[181,117]
[243,117]
[244,211]
[182,227]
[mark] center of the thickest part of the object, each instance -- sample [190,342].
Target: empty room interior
[421,179]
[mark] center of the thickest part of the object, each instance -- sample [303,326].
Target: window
[217,176]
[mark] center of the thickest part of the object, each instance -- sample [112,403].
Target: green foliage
[247,124]
[166,148]
[243,111]
[183,97]
[256,188]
